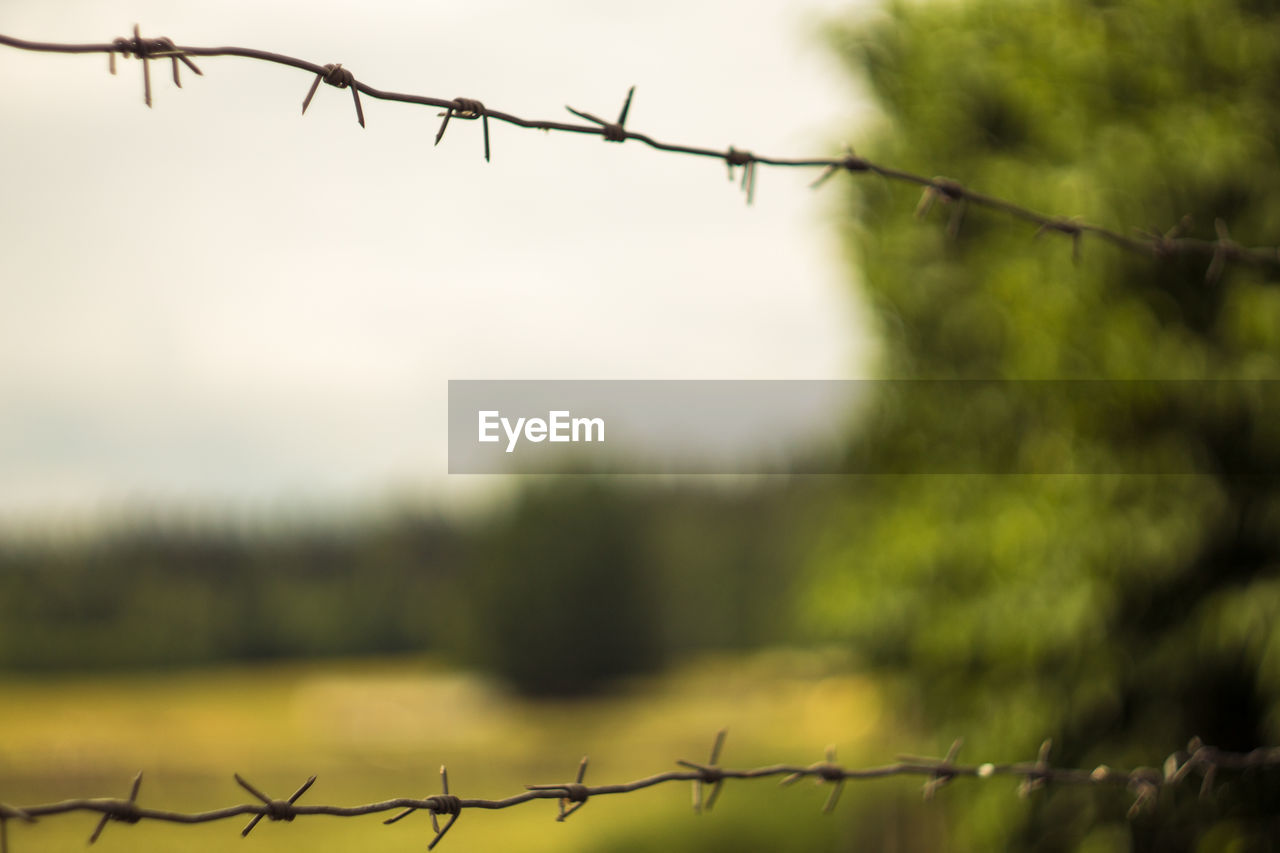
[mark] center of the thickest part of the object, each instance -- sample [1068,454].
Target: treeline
[569,585]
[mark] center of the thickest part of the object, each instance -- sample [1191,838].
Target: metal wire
[1219,252]
[1144,783]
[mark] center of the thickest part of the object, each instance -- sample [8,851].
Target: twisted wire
[1144,783]
[1219,252]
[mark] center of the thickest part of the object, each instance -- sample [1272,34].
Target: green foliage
[1119,614]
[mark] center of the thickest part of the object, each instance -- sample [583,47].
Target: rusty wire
[1144,783]
[1152,242]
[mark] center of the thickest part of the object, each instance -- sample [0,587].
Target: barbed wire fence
[1144,783]
[1152,242]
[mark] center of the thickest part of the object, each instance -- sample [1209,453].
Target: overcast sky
[218,303]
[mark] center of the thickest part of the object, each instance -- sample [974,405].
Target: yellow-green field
[377,729]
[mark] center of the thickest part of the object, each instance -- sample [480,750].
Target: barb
[7,812]
[335,75]
[1145,784]
[466,108]
[276,809]
[1218,253]
[850,163]
[826,771]
[125,811]
[574,792]
[612,131]
[748,162]
[446,803]
[1034,781]
[711,774]
[146,49]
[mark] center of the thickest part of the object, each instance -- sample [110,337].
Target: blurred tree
[1120,614]
[561,596]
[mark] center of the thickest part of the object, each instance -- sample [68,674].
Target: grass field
[378,729]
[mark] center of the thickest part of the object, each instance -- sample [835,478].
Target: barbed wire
[1145,783]
[1152,242]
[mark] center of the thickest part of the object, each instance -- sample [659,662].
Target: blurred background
[229,544]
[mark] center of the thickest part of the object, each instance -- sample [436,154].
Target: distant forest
[571,584]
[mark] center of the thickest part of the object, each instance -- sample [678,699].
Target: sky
[219,304]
